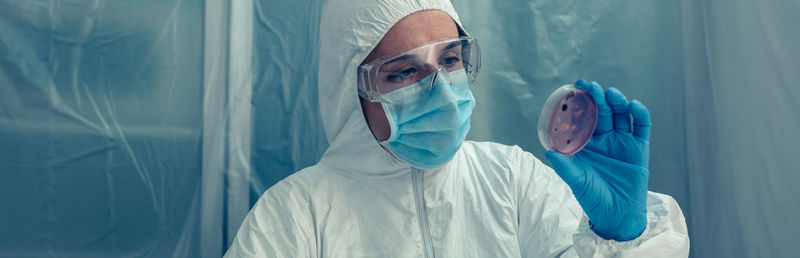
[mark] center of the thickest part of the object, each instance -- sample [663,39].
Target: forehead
[414,30]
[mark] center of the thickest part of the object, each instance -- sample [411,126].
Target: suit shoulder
[294,188]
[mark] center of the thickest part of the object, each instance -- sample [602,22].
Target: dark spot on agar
[564,107]
[568,141]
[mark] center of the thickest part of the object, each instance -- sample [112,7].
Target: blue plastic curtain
[148,128]
[124,127]
[100,132]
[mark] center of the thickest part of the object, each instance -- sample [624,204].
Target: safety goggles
[408,68]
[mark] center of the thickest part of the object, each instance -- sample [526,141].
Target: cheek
[376,119]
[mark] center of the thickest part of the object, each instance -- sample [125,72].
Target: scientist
[398,179]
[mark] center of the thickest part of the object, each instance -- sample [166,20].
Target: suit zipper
[422,213]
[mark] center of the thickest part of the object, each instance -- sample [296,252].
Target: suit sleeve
[552,223]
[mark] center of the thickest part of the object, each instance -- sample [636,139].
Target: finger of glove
[604,115]
[619,106]
[641,120]
[567,171]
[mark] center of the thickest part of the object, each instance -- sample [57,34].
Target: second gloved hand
[609,176]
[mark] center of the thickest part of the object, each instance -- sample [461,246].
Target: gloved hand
[609,175]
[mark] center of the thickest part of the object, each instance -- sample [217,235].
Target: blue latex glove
[609,175]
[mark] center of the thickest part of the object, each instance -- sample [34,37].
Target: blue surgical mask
[427,129]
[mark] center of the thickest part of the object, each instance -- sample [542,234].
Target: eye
[398,77]
[450,61]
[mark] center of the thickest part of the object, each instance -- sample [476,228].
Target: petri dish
[567,120]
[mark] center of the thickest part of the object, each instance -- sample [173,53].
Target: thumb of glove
[567,170]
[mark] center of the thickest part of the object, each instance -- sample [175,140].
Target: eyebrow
[410,56]
[452,45]
[401,58]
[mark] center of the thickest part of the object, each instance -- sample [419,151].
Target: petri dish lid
[567,120]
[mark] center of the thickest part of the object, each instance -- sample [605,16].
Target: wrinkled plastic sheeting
[287,126]
[100,128]
[743,123]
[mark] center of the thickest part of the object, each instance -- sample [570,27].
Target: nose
[439,74]
[426,69]
[430,65]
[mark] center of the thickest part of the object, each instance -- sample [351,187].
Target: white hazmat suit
[490,200]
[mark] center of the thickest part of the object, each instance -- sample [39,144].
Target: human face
[415,29]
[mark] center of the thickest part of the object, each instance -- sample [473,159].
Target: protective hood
[349,30]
